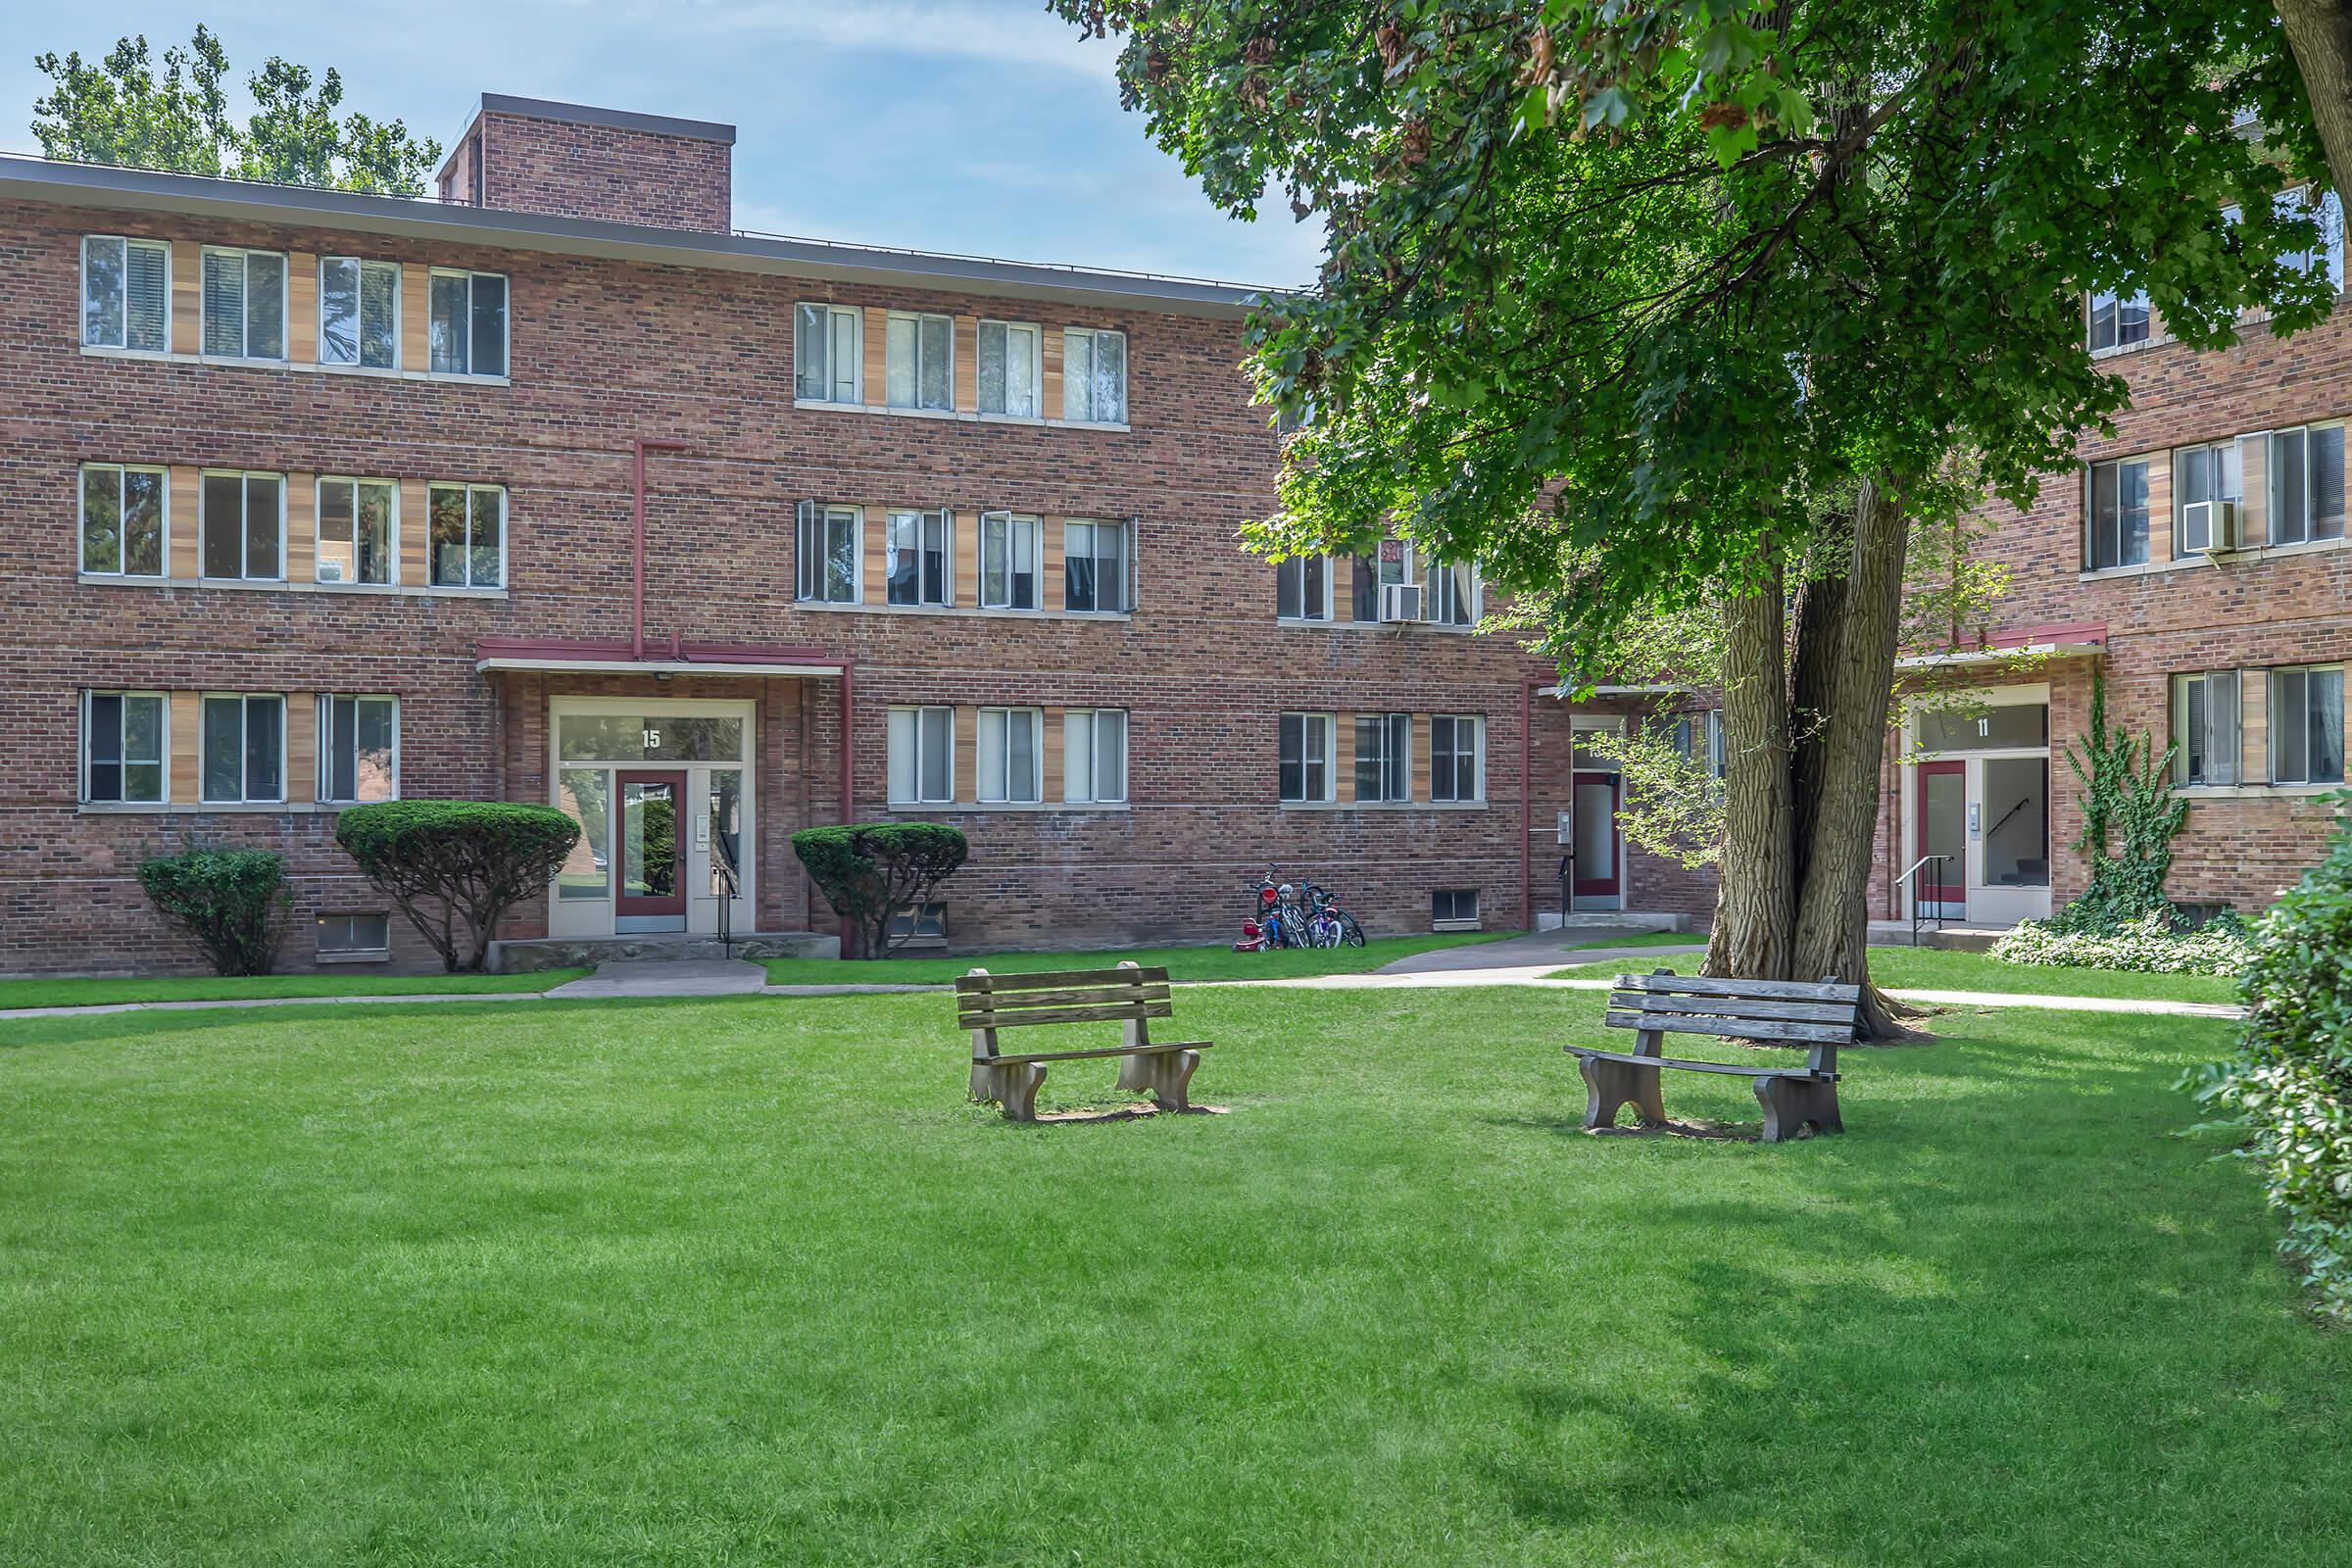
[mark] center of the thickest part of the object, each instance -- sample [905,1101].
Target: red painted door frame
[1955,889]
[674,901]
[1597,887]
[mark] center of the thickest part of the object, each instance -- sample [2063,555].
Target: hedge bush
[455,867]
[2148,945]
[871,871]
[233,903]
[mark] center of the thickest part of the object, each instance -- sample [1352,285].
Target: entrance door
[1943,886]
[1593,832]
[652,890]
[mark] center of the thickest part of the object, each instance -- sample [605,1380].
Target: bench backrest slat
[1012,1003]
[1127,994]
[1055,979]
[1817,1016]
[1111,1012]
[1668,984]
[1764,1031]
[1733,1007]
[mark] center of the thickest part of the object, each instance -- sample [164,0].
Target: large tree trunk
[2320,34]
[1755,904]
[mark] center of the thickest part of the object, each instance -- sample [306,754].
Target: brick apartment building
[556,489]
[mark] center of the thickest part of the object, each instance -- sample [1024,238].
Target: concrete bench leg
[1611,1084]
[1165,1075]
[1791,1102]
[1012,1086]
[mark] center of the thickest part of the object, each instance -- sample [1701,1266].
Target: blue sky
[984,126]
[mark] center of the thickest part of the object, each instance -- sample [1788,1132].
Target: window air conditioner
[2224,529]
[1399,601]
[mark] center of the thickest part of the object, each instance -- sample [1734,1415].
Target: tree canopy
[123,110]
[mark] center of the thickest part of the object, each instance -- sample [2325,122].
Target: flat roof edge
[500,103]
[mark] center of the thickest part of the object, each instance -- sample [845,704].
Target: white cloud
[998,32]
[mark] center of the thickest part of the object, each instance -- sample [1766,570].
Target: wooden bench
[1127,996]
[1768,1013]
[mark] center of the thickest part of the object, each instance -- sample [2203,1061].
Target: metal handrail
[729,889]
[1917,920]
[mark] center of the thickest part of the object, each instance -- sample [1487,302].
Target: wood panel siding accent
[873,533]
[416,530]
[2254,475]
[1051,786]
[1424,752]
[967,558]
[187,728]
[302,307]
[2160,508]
[2254,723]
[877,355]
[183,488]
[1342,758]
[1053,547]
[967,752]
[967,363]
[1342,589]
[302,526]
[302,746]
[187,296]
[1049,376]
[416,317]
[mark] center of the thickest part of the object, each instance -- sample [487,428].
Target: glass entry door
[651,879]
[1944,830]
[1592,834]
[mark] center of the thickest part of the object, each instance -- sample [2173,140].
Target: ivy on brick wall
[2131,816]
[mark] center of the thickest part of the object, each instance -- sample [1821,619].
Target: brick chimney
[528,155]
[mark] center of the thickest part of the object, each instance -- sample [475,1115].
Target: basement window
[1454,910]
[354,938]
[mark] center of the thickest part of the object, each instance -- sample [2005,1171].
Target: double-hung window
[1304,748]
[2205,479]
[1008,561]
[1094,377]
[1094,568]
[826,548]
[244,751]
[358,313]
[356,520]
[1698,737]
[1384,758]
[1302,588]
[2205,732]
[2306,484]
[125,293]
[122,748]
[1094,755]
[825,354]
[1010,758]
[914,557]
[1011,367]
[122,520]
[242,519]
[468,329]
[2117,319]
[2327,258]
[2307,725]
[466,535]
[1457,753]
[923,755]
[1452,595]
[2118,532]
[919,362]
[359,749]
[244,304]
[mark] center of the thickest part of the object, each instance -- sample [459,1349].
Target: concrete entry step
[1952,935]
[569,953]
[678,977]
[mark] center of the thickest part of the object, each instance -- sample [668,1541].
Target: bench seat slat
[1155,1049]
[1049,979]
[1119,1014]
[1698,1066]
[1777,1031]
[1725,1007]
[1067,996]
[1761,990]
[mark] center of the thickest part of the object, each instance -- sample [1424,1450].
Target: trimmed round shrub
[2291,1079]
[456,867]
[871,871]
[234,903]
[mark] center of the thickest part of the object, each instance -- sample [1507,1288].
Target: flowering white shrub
[2148,945]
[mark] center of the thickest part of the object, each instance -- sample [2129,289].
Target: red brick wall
[574,170]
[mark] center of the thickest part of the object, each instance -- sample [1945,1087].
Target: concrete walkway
[667,977]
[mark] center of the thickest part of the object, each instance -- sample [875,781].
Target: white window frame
[832,372]
[2090,513]
[1456,922]
[1310,725]
[2328,214]
[1005,788]
[1012,524]
[915,713]
[915,320]
[162,760]
[2274,710]
[127,242]
[2115,304]
[2226,455]
[2208,681]
[244,702]
[2274,476]
[1390,757]
[1466,584]
[1036,367]
[81,521]
[1306,613]
[1082,736]
[505,531]
[285,291]
[820,516]
[244,523]
[1092,336]
[358,320]
[921,518]
[350,954]
[325,731]
[392,538]
[1094,528]
[1442,776]
[506,325]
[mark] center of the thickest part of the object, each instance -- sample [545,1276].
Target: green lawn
[744,1282]
[1646,939]
[1935,969]
[1183,964]
[91,993]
